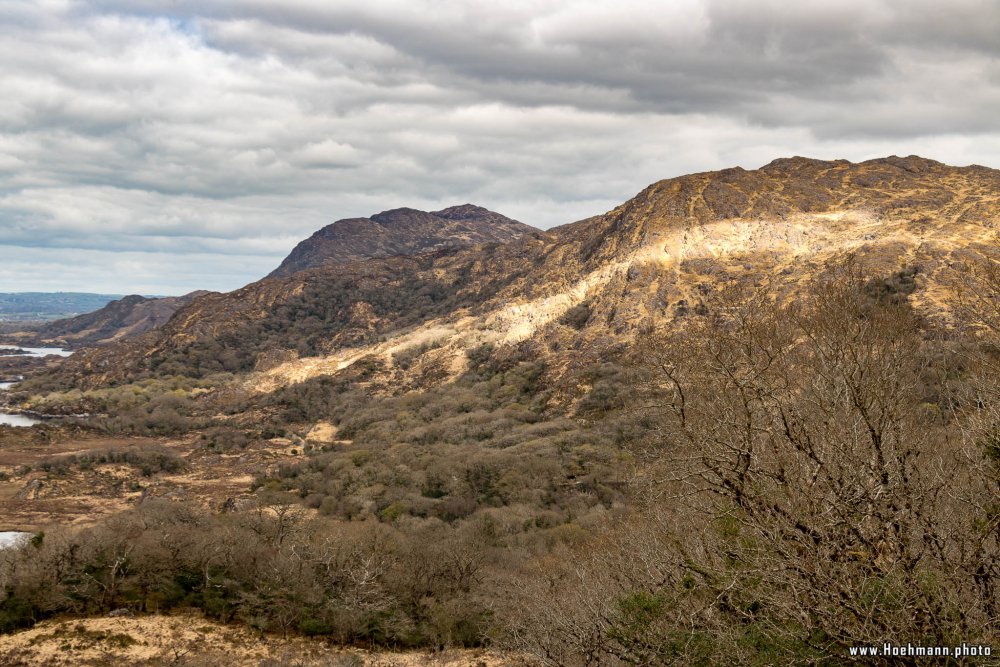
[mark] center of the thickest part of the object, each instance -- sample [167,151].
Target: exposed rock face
[654,259]
[402,231]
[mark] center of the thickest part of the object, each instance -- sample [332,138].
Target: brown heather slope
[402,231]
[127,317]
[581,291]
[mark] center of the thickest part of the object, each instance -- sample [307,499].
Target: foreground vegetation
[766,484]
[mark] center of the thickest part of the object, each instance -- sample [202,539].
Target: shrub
[577,316]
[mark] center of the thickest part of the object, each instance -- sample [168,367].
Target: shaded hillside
[584,289]
[402,231]
[397,232]
[310,313]
[125,318]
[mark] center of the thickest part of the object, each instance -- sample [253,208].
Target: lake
[13,538]
[14,419]
[38,351]
[11,419]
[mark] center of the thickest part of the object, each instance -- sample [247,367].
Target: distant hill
[22,306]
[127,317]
[110,318]
[401,231]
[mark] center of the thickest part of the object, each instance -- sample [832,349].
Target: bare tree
[802,425]
[802,498]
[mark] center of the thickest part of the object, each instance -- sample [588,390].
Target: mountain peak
[400,231]
[463,212]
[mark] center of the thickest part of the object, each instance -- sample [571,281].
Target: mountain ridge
[401,231]
[127,317]
[652,260]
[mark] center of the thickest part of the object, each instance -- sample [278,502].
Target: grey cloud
[42,269]
[668,57]
[234,129]
[696,58]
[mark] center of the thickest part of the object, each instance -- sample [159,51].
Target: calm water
[20,420]
[12,538]
[38,351]
[11,419]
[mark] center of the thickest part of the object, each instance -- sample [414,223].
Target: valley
[450,430]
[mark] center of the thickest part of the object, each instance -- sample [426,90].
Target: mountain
[581,291]
[454,430]
[402,231]
[124,318]
[22,306]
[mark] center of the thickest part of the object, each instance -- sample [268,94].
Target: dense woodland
[766,484]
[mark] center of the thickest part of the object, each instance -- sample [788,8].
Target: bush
[269,567]
[16,613]
[577,316]
[150,459]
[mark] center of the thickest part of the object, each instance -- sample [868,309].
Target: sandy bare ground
[192,641]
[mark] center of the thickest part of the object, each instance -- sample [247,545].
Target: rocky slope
[403,231]
[583,290]
[124,318]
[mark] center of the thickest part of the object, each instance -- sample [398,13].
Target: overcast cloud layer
[153,152]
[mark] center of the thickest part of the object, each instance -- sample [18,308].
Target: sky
[162,147]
